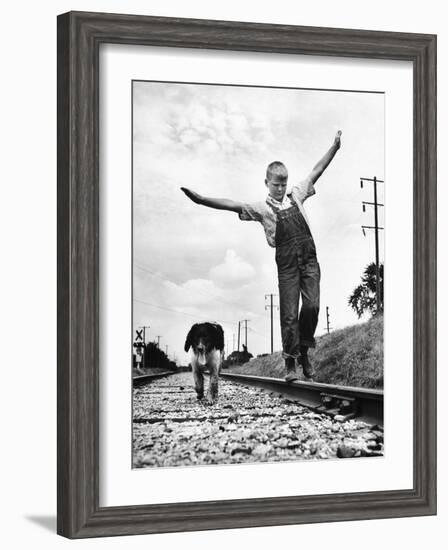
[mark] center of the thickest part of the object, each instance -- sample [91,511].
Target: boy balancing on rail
[287,230]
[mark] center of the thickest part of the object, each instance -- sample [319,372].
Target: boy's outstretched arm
[318,170]
[219,204]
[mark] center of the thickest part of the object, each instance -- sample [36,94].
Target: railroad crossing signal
[139,339]
[139,345]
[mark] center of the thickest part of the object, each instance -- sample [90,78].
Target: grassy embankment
[352,356]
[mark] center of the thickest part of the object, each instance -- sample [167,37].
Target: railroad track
[146,378]
[248,424]
[338,401]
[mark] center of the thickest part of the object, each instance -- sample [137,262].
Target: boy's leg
[304,360]
[289,293]
[309,312]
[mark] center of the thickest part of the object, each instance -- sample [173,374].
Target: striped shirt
[265,211]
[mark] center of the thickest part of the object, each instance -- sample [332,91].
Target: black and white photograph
[202,349]
[262,341]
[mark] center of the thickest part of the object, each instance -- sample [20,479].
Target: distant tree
[364,297]
[237,358]
[156,358]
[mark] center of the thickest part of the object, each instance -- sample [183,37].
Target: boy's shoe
[291,373]
[308,371]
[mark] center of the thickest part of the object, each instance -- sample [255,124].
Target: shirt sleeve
[303,190]
[251,212]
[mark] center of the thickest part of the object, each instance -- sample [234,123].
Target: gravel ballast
[172,428]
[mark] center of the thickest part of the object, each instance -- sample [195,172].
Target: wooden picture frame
[79,38]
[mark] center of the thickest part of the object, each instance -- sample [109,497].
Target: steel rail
[349,402]
[145,378]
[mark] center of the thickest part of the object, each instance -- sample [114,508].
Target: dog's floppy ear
[190,338]
[219,335]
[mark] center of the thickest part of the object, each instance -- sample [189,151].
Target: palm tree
[364,297]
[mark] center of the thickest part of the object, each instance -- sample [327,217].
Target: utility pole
[239,335]
[158,341]
[233,340]
[245,321]
[328,322]
[271,307]
[375,204]
[144,332]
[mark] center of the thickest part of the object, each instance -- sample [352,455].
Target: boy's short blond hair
[276,169]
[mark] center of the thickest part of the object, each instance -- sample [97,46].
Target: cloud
[233,270]
[195,292]
[200,118]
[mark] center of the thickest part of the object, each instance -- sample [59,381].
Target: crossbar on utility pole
[144,332]
[371,179]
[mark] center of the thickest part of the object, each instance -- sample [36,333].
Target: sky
[193,264]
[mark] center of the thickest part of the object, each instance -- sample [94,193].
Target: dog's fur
[207,343]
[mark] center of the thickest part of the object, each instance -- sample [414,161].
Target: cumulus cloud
[233,270]
[211,119]
[195,292]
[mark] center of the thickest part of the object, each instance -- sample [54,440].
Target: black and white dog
[207,343]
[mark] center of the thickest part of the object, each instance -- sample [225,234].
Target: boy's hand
[195,197]
[337,139]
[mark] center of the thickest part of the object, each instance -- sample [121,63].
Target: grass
[352,356]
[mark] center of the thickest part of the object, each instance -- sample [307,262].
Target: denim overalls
[298,275]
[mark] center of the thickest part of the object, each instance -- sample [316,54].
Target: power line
[145,269]
[204,293]
[250,329]
[177,311]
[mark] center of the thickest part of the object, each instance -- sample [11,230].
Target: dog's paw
[209,400]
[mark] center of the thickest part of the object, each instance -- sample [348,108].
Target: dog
[207,343]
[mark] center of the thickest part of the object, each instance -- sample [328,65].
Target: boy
[286,228]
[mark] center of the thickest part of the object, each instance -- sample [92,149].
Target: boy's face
[276,186]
